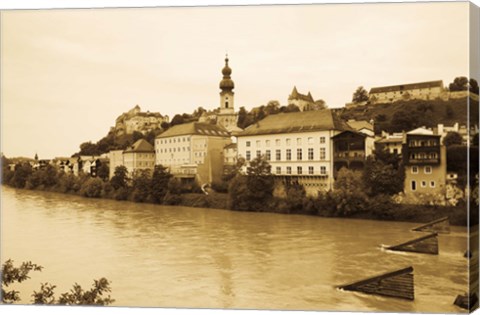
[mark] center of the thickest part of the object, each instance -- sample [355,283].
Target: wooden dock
[441,226]
[398,284]
[427,244]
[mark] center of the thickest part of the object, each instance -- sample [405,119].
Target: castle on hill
[136,120]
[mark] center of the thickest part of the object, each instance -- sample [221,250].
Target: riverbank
[386,212]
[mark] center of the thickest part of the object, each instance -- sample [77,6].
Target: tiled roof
[390,140]
[195,128]
[404,87]
[297,122]
[360,124]
[141,145]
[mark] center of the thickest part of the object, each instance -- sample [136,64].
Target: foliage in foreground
[46,295]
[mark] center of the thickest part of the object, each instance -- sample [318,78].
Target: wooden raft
[398,284]
[427,244]
[441,226]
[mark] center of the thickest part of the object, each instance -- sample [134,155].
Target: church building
[226,116]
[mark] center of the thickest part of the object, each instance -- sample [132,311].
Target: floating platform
[441,226]
[427,244]
[398,284]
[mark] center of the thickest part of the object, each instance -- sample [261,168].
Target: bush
[172,199]
[121,193]
[92,188]
[194,200]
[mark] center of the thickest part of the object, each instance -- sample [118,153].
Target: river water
[206,258]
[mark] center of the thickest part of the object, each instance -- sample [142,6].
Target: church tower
[226,115]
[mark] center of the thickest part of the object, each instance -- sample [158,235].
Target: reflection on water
[206,258]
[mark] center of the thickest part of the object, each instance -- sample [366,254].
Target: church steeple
[226,85]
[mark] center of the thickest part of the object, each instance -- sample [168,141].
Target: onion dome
[226,84]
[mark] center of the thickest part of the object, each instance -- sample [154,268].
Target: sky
[67,74]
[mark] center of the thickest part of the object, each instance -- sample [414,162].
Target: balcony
[349,156]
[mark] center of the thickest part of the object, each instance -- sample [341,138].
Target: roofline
[300,131]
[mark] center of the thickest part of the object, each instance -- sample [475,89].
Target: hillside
[406,115]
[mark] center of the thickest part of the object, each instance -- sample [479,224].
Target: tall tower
[226,116]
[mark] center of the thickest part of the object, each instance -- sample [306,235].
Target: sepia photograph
[284,157]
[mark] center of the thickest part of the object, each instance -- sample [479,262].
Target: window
[299,170]
[289,154]
[310,170]
[323,170]
[424,183]
[299,141]
[323,154]
[259,153]
[414,185]
[247,143]
[310,154]
[310,140]
[277,142]
[288,142]
[322,139]
[268,156]
[258,143]
[414,169]
[428,170]
[299,154]
[278,170]
[432,184]
[267,143]
[289,170]
[247,156]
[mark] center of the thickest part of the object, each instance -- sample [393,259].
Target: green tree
[160,178]
[360,95]
[89,148]
[459,84]
[452,138]
[177,120]
[120,177]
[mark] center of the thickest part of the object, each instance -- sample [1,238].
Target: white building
[193,151]
[420,91]
[297,145]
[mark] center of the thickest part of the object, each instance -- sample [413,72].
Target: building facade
[350,150]
[421,91]
[424,158]
[139,156]
[298,147]
[193,151]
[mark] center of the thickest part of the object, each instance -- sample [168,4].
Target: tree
[404,120]
[382,178]
[119,178]
[88,148]
[459,84]
[76,296]
[360,95]
[452,138]
[349,193]
[259,182]
[22,172]
[449,113]
[103,171]
[177,120]
[160,179]
[473,86]
[141,185]
[242,118]
[92,188]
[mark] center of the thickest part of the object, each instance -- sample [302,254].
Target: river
[206,258]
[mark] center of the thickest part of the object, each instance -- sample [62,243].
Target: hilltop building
[226,116]
[302,101]
[193,151]
[297,145]
[421,91]
[136,120]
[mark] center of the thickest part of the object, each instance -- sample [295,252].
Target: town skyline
[93,72]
